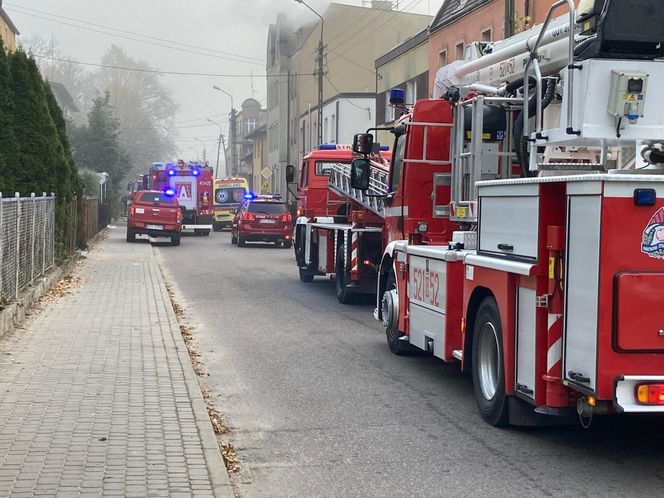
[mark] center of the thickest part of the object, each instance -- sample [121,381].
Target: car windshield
[267,207]
[158,197]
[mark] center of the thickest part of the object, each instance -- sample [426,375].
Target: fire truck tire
[131,236]
[343,296]
[394,342]
[487,361]
[175,240]
[306,276]
[240,241]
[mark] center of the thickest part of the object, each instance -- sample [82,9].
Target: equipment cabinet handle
[579,377]
[506,247]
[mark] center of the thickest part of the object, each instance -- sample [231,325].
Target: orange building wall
[469,28]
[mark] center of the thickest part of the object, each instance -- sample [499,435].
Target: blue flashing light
[397,96]
[248,196]
[171,172]
[327,147]
[196,172]
[384,148]
[645,197]
[169,192]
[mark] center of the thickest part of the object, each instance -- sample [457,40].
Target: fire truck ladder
[372,199]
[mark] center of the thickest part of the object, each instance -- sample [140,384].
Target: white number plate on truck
[155,227]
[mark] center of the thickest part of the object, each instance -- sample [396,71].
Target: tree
[7,138]
[96,145]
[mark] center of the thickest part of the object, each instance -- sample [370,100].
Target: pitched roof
[7,19]
[453,10]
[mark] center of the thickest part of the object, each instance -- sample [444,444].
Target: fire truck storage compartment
[636,331]
[427,294]
[584,209]
[325,250]
[526,341]
[509,220]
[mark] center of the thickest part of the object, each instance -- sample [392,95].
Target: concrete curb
[221,484]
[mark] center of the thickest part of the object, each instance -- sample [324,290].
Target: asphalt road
[320,407]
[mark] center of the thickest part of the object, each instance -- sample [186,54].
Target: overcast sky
[231,26]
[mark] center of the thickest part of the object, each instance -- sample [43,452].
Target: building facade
[353,38]
[8,30]
[461,22]
[251,117]
[406,67]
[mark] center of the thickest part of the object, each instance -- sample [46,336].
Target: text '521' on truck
[525,236]
[192,183]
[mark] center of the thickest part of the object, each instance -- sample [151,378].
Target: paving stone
[94,399]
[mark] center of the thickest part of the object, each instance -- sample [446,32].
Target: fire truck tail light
[287,217]
[650,394]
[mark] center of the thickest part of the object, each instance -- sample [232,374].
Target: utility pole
[221,138]
[320,71]
[204,151]
[231,133]
[216,170]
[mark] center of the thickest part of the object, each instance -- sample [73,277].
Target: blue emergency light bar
[171,172]
[249,195]
[327,147]
[169,192]
[196,172]
[384,148]
[397,96]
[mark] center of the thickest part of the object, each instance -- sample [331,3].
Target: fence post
[53,232]
[2,222]
[33,235]
[45,204]
[18,242]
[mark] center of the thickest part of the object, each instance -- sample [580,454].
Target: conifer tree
[7,140]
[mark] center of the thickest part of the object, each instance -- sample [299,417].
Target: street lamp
[221,138]
[319,71]
[231,133]
[203,143]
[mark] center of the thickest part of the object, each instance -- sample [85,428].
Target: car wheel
[343,296]
[240,241]
[175,240]
[487,361]
[306,276]
[233,238]
[205,233]
[287,245]
[131,236]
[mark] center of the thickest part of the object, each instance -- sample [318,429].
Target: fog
[233,26]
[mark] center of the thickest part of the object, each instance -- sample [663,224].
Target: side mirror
[363,143]
[290,173]
[359,174]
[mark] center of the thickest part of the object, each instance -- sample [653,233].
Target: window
[411,92]
[397,163]
[326,130]
[324,168]
[389,110]
[486,35]
[304,179]
[266,207]
[249,125]
[333,129]
[458,51]
[442,58]
[156,198]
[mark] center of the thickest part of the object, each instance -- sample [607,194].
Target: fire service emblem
[653,236]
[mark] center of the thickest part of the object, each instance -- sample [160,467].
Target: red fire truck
[192,183]
[330,237]
[525,236]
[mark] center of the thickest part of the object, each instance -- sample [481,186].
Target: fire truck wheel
[306,276]
[394,342]
[131,236]
[487,360]
[343,296]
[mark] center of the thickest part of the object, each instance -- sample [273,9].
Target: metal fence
[27,241]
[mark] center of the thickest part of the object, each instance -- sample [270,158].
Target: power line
[110,28]
[157,71]
[344,98]
[232,59]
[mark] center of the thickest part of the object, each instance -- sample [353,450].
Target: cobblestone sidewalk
[98,396]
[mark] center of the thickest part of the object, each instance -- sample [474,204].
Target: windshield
[323,168]
[229,195]
[266,207]
[152,197]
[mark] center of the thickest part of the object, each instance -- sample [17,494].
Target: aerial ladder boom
[372,198]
